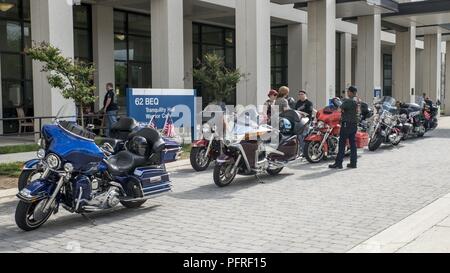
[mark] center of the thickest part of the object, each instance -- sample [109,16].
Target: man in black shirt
[349,127]
[110,108]
[303,104]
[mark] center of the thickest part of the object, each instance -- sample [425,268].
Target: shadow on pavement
[211,191]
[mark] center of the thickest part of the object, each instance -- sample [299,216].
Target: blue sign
[147,104]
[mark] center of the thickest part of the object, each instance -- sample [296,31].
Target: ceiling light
[6,6]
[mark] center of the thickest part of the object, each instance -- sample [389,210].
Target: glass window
[82,21]
[212,35]
[120,47]
[195,33]
[279,56]
[82,44]
[11,66]
[119,21]
[141,75]
[139,49]
[81,16]
[11,33]
[139,24]
[26,10]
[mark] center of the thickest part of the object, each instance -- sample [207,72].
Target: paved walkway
[17,157]
[427,230]
[308,208]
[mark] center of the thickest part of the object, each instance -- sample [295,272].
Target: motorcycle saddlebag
[362,140]
[154,180]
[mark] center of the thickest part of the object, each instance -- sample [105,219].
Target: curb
[171,166]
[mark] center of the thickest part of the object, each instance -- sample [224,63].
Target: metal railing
[93,119]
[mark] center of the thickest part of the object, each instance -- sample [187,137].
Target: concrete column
[432,66]
[167,44]
[447,80]
[368,65]
[346,61]
[188,55]
[51,21]
[103,47]
[297,57]
[321,51]
[419,71]
[404,66]
[253,50]
[1,96]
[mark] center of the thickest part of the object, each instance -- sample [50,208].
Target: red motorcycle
[206,149]
[323,141]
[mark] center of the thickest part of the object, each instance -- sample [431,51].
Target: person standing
[269,103]
[110,108]
[349,127]
[291,101]
[282,101]
[305,106]
[421,100]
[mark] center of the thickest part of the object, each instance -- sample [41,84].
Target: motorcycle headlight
[387,120]
[41,154]
[68,167]
[53,161]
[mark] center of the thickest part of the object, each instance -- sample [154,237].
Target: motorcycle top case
[362,139]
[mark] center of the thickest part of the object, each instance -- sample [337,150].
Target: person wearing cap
[273,94]
[349,127]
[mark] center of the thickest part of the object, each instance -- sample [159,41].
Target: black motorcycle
[416,120]
[386,127]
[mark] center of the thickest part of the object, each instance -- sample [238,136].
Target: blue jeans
[111,118]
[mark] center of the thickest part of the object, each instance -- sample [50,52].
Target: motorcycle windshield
[71,142]
[246,123]
[389,104]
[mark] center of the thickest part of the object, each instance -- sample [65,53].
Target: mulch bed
[7,183]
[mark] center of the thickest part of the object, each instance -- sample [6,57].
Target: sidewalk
[427,230]
[17,157]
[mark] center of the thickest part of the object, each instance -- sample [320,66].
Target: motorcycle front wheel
[199,159]
[375,143]
[312,152]
[30,216]
[223,174]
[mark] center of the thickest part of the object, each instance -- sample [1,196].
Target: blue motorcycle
[82,177]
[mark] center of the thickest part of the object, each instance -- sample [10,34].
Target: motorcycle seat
[125,162]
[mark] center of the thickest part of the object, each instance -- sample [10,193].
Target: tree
[73,77]
[217,80]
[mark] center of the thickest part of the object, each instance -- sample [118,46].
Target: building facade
[322,46]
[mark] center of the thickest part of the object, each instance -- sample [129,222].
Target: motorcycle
[249,152]
[413,120]
[386,127]
[323,140]
[207,148]
[82,177]
[120,131]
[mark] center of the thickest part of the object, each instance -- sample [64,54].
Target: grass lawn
[185,151]
[18,149]
[11,169]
